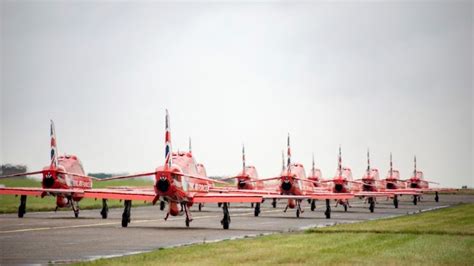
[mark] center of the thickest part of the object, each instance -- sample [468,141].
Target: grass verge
[438,237]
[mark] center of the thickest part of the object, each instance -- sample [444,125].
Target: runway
[49,237]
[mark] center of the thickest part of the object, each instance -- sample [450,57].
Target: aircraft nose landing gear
[371,204]
[226,219]
[74,206]
[299,210]
[395,201]
[436,196]
[22,207]
[189,219]
[328,210]
[126,213]
[105,209]
[257,209]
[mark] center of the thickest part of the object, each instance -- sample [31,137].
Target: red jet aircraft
[178,182]
[316,176]
[371,186]
[343,183]
[418,182]
[393,184]
[64,178]
[295,187]
[248,182]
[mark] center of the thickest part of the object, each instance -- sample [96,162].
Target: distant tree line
[100,175]
[105,175]
[10,169]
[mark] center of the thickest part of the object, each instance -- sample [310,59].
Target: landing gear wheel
[75,206]
[257,209]
[297,213]
[219,204]
[22,207]
[436,196]
[126,213]
[328,210]
[345,207]
[274,203]
[415,200]
[105,209]
[200,206]
[226,219]
[309,201]
[313,205]
[371,205]
[395,202]
[187,222]
[251,205]
[162,205]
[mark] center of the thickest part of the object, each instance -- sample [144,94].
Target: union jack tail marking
[243,159]
[414,170]
[289,152]
[54,149]
[368,162]
[168,150]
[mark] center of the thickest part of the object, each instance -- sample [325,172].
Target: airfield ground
[443,236]
[44,237]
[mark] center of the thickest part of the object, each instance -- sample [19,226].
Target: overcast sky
[392,77]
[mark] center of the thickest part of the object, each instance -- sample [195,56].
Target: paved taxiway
[44,237]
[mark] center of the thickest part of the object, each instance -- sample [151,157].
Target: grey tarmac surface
[45,237]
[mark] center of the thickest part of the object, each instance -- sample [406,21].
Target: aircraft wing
[331,195]
[213,197]
[131,188]
[120,194]
[316,196]
[294,197]
[37,191]
[21,174]
[374,194]
[403,191]
[246,191]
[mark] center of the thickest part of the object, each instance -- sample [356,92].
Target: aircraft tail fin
[391,166]
[414,170]
[288,152]
[282,160]
[368,162]
[339,163]
[168,150]
[54,148]
[190,147]
[243,159]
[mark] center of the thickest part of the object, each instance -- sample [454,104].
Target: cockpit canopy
[345,173]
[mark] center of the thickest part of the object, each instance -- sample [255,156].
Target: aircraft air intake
[286,185]
[242,184]
[163,184]
[48,180]
[339,187]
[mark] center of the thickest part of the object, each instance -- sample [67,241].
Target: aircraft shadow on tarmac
[73,218]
